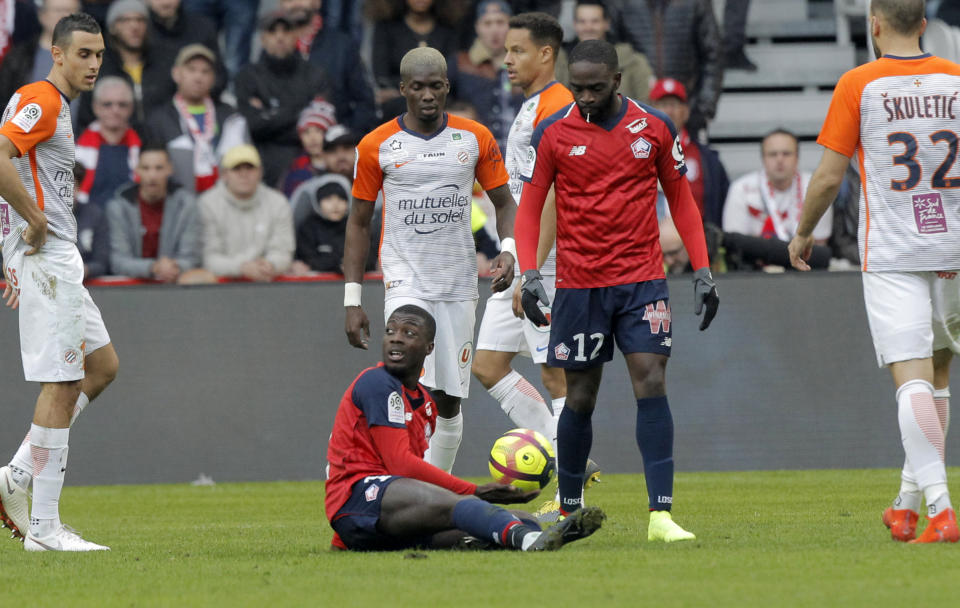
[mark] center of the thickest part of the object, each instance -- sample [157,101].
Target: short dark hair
[544,29]
[74,22]
[603,7]
[428,322]
[781,131]
[153,146]
[904,16]
[596,51]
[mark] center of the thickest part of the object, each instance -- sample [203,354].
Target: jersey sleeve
[538,167]
[367,174]
[34,119]
[491,172]
[841,128]
[670,161]
[394,448]
[380,402]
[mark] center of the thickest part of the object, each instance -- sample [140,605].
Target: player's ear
[616,81]
[430,347]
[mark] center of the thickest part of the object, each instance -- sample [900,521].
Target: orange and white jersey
[426,244]
[545,102]
[37,121]
[900,115]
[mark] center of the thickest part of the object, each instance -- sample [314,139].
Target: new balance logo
[578,150]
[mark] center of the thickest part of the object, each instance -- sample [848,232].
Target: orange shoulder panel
[367,175]
[491,172]
[552,100]
[35,117]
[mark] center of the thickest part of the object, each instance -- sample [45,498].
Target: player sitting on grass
[381,494]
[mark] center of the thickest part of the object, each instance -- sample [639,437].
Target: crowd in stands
[219,140]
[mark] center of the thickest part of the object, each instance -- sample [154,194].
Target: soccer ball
[522,458]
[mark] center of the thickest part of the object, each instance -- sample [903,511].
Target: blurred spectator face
[242,180]
[678,111]
[334,208]
[492,28]
[301,11]
[131,30]
[113,106]
[153,170]
[589,22]
[165,9]
[522,59]
[339,159]
[55,10]
[419,6]
[194,79]
[780,157]
[675,257]
[312,140]
[278,41]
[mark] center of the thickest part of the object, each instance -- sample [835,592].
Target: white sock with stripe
[923,442]
[522,403]
[49,450]
[21,466]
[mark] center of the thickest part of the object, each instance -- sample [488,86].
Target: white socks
[524,405]
[21,466]
[48,448]
[445,442]
[923,444]
[910,496]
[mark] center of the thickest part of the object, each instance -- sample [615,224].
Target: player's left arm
[822,191]
[502,265]
[548,227]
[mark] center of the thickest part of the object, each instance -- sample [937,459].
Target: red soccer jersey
[377,401]
[605,176]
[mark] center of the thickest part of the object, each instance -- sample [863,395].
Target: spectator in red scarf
[108,149]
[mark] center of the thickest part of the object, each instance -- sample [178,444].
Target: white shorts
[501,330]
[912,314]
[59,323]
[447,368]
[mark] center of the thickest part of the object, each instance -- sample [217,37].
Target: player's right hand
[12,296]
[504,494]
[800,248]
[35,235]
[357,327]
[532,295]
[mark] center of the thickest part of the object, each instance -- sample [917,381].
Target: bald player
[424,163]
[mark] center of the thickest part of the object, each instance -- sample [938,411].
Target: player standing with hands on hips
[604,154]
[900,114]
[425,162]
[63,341]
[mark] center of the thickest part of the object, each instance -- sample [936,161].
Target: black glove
[531,294]
[704,293]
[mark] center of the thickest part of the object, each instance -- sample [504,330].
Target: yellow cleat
[548,512]
[592,474]
[662,527]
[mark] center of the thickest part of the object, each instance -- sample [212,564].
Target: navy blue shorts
[356,521]
[585,322]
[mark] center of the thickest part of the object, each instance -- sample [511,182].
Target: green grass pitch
[786,538]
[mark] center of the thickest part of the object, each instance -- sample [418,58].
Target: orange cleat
[902,523]
[941,529]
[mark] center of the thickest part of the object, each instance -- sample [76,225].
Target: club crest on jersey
[578,150]
[28,116]
[638,125]
[641,148]
[371,493]
[561,352]
[462,157]
[658,316]
[395,412]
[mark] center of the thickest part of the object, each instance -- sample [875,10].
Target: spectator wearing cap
[591,22]
[312,127]
[481,76]
[335,52]
[154,224]
[172,27]
[247,226]
[706,174]
[339,150]
[130,55]
[195,127]
[108,149]
[320,219]
[272,92]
